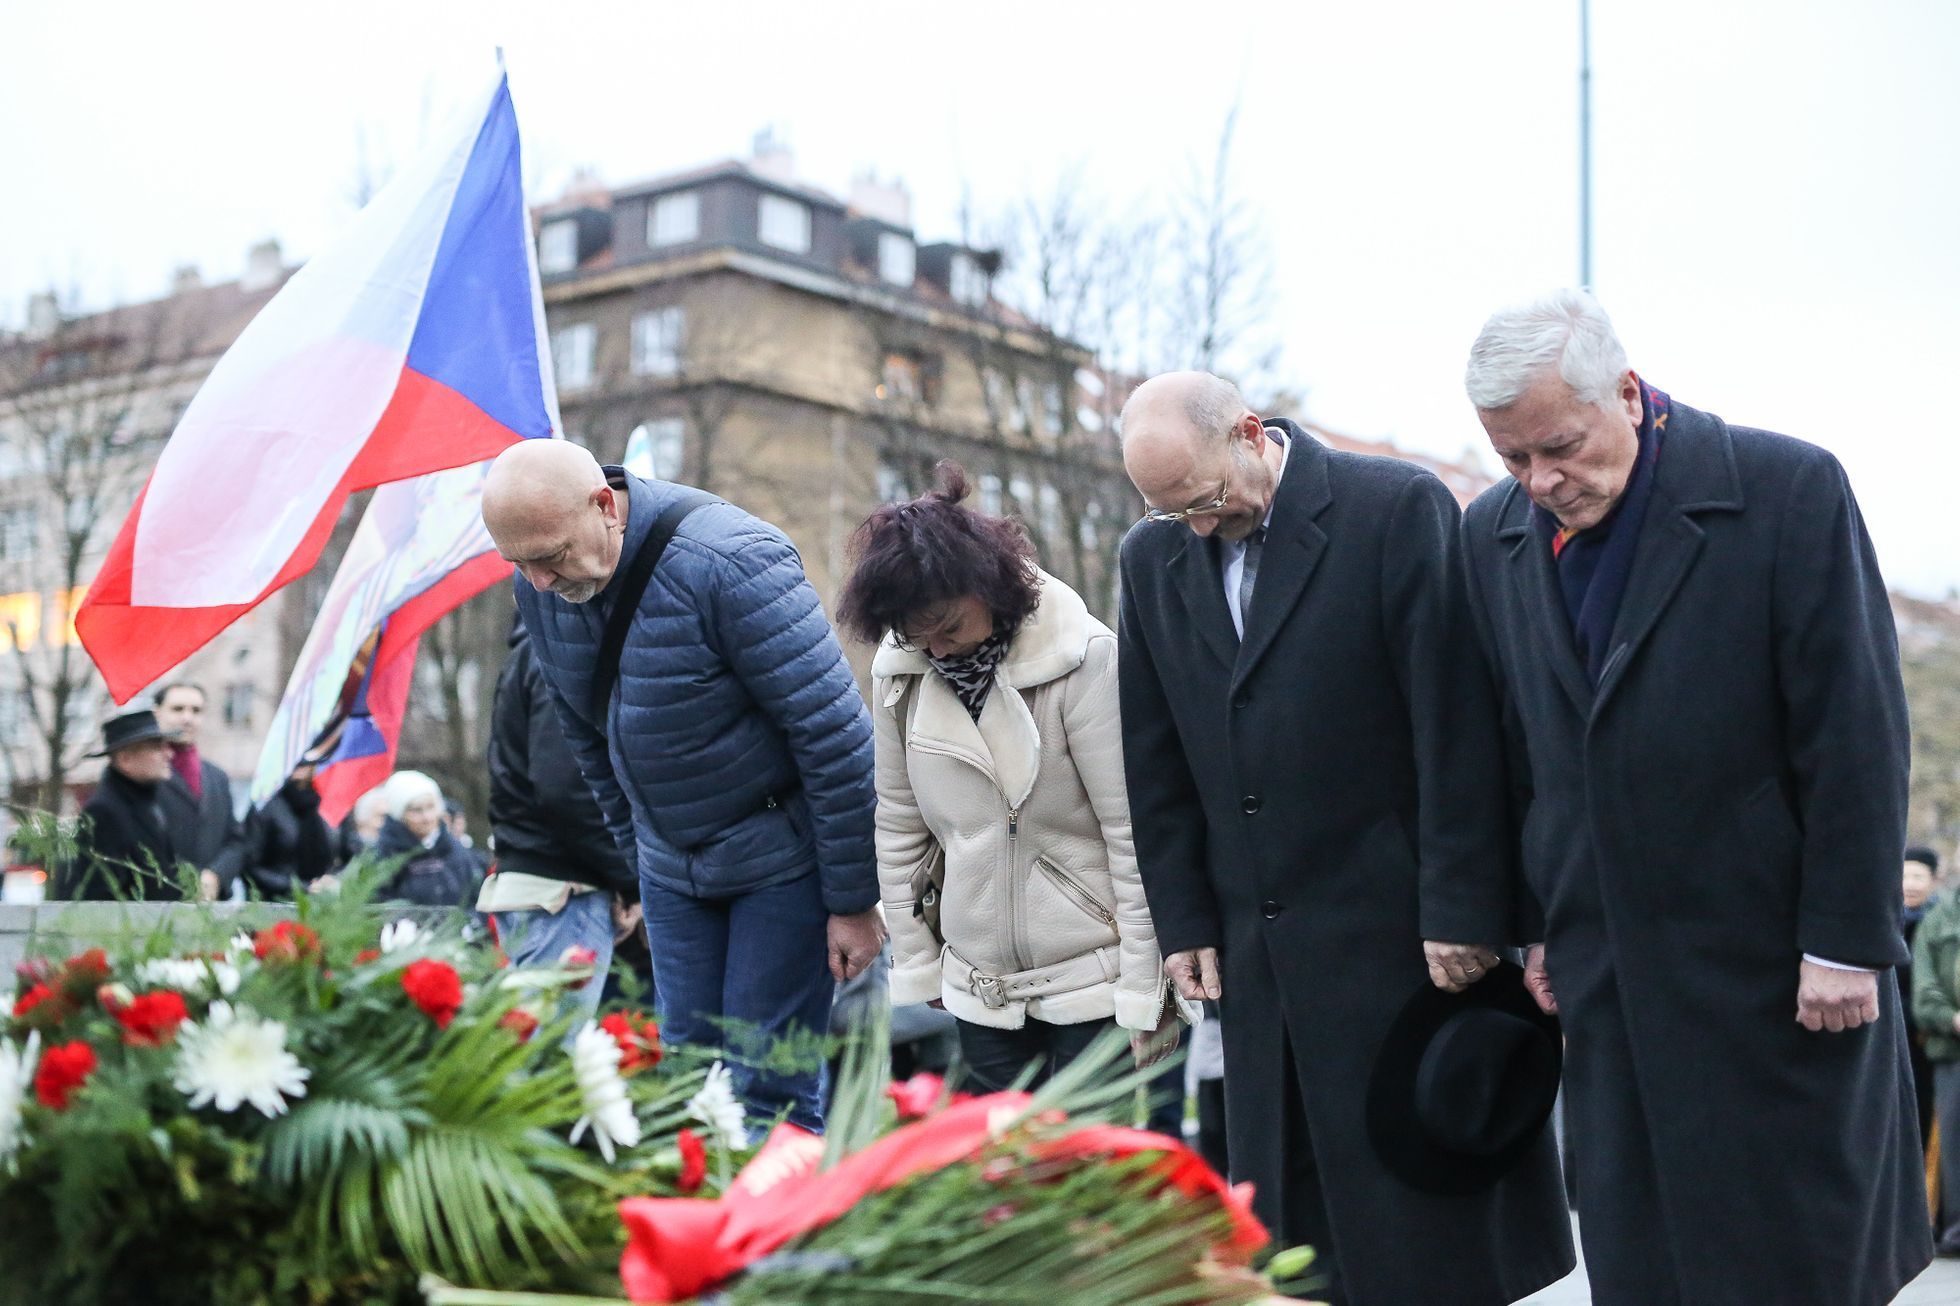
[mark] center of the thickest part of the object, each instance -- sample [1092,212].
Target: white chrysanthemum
[241,949]
[608,1110]
[234,1057]
[717,1107]
[16,1074]
[188,975]
[396,935]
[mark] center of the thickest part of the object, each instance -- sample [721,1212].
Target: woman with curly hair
[1004,851]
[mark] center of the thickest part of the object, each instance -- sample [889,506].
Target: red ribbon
[679,1247]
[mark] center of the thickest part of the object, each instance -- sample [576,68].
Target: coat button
[1271,909]
[1241,698]
[1251,804]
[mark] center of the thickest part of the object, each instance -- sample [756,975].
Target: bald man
[731,754]
[1313,762]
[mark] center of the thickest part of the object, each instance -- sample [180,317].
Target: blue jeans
[737,973]
[535,937]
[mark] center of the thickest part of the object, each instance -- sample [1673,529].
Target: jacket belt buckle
[988,989]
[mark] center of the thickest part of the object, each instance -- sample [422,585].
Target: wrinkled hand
[1195,973]
[625,918]
[1149,1046]
[855,942]
[328,883]
[1454,967]
[1835,1000]
[1538,981]
[207,886]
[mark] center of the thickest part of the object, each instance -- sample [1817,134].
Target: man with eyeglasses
[1313,752]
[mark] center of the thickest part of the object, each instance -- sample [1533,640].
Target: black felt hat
[129,728]
[1464,1084]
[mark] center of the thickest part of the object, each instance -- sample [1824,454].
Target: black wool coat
[1315,802]
[288,842]
[205,830]
[1731,797]
[123,847]
[542,812]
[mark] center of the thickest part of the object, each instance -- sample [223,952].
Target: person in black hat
[123,848]
[1464,1084]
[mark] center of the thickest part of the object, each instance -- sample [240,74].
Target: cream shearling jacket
[1043,912]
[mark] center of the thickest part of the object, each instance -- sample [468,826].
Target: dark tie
[1249,575]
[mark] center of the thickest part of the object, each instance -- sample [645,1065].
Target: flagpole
[1585,143]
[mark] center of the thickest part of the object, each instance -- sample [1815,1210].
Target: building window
[1004,401]
[1090,530]
[674,219]
[898,258]
[965,281]
[657,449]
[904,378]
[1051,514]
[238,704]
[891,485]
[1021,491]
[1051,408]
[571,354]
[990,494]
[19,525]
[558,246]
[657,341]
[783,223]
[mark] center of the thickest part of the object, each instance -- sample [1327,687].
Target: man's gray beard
[583,592]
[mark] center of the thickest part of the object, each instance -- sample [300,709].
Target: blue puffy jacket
[736,751]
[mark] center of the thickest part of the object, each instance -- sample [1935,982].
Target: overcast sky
[1777,181]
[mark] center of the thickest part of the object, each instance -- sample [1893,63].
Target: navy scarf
[1595,564]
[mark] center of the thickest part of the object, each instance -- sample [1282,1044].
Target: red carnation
[366,955]
[83,974]
[520,1022]
[287,941]
[31,999]
[63,1070]
[638,1038]
[436,988]
[694,1161]
[151,1020]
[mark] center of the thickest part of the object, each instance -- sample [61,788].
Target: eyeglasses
[1201,510]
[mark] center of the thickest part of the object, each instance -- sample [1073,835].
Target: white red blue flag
[413,344]
[421,549]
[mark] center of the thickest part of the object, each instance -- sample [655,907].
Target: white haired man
[1697,657]
[1307,734]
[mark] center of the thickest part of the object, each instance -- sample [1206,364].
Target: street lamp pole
[1585,143]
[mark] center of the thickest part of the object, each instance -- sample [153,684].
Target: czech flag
[414,344]
[421,550]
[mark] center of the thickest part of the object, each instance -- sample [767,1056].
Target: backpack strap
[633,585]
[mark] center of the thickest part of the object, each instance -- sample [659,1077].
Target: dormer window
[674,219]
[966,282]
[558,246]
[898,258]
[783,223]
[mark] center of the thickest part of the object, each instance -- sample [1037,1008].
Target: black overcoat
[1311,802]
[205,830]
[123,846]
[1731,797]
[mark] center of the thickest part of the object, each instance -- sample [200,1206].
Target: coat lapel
[1537,582]
[1294,545]
[1696,474]
[1195,572]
